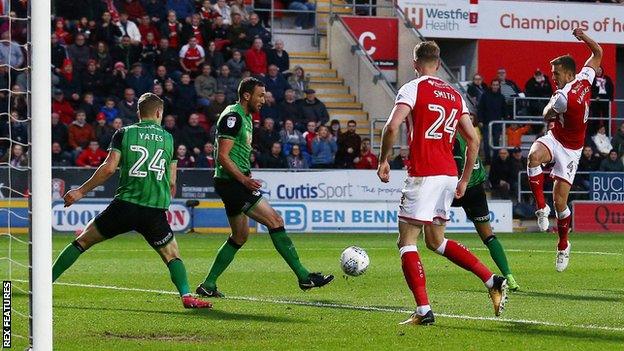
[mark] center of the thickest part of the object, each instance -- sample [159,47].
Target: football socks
[460,255]
[415,277]
[287,250]
[68,256]
[178,276]
[563,228]
[498,254]
[222,261]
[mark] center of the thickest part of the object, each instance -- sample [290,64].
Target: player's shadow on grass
[215,314]
[515,328]
[558,296]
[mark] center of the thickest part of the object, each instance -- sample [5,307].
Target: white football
[354,261]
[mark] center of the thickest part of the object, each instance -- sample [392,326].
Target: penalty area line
[359,308]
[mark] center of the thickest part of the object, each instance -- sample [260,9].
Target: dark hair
[366,139]
[148,104]
[248,85]
[427,52]
[566,62]
[352,121]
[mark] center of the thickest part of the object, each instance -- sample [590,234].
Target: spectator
[167,56]
[501,175]
[612,163]
[289,109]
[323,149]
[587,163]
[80,53]
[134,9]
[602,141]
[228,84]
[253,160]
[237,34]
[304,20]
[172,30]
[492,107]
[206,158]
[109,110]
[402,160]
[270,110]
[310,134]
[538,86]
[92,156]
[220,34]
[289,137]
[366,159]
[17,157]
[196,29]
[169,124]
[238,7]
[70,82]
[275,83]
[191,57]
[106,31]
[149,52]
[205,86]
[60,133]
[94,81]
[18,128]
[266,136]
[61,32]
[296,160]
[129,28]
[476,89]
[125,52]
[602,90]
[206,12]
[256,59]
[183,8]
[312,109]
[335,129]
[193,136]
[298,82]
[183,158]
[118,81]
[10,51]
[80,132]
[348,143]
[60,158]
[213,57]
[618,141]
[186,98]
[273,158]
[102,57]
[216,107]
[62,107]
[514,134]
[156,10]
[279,57]
[104,132]
[59,53]
[223,9]
[508,87]
[236,64]
[518,164]
[128,108]
[255,30]
[146,27]
[161,75]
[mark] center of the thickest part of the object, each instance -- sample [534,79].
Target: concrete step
[310,63]
[307,55]
[344,105]
[326,80]
[357,115]
[336,97]
[330,88]
[322,72]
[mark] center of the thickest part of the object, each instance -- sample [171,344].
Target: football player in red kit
[568,109]
[433,110]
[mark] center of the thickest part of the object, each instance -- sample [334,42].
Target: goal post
[41,179]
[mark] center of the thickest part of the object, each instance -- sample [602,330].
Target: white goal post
[41,179]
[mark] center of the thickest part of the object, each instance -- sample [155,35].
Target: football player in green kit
[241,195]
[474,203]
[144,153]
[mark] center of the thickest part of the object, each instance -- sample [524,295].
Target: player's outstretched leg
[89,237]
[265,214]
[240,232]
[461,256]
[177,271]
[561,190]
[538,155]
[414,274]
[496,252]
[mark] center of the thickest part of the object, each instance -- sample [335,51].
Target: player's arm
[225,145]
[103,172]
[595,60]
[388,137]
[173,176]
[469,134]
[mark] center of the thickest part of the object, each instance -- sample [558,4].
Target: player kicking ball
[144,153]
[568,109]
[474,203]
[241,194]
[433,110]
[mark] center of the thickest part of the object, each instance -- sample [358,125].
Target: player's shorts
[427,199]
[566,160]
[474,203]
[235,196]
[122,217]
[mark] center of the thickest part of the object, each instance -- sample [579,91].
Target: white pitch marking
[360,308]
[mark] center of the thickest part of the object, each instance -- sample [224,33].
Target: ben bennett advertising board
[514,20]
[591,216]
[373,217]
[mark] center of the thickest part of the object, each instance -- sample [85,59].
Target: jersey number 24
[157,163]
[449,125]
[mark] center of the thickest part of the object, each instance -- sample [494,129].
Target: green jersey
[235,125]
[146,155]
[478,175]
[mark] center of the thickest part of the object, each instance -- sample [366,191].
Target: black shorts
[122,216]
[235,196]
[474,203]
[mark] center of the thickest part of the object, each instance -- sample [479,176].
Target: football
[354,261]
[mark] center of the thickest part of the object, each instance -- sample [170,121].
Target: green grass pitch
[118,297]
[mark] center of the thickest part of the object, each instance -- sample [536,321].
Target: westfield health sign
[514,20]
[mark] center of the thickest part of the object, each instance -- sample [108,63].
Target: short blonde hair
[427,52]
[148,104]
